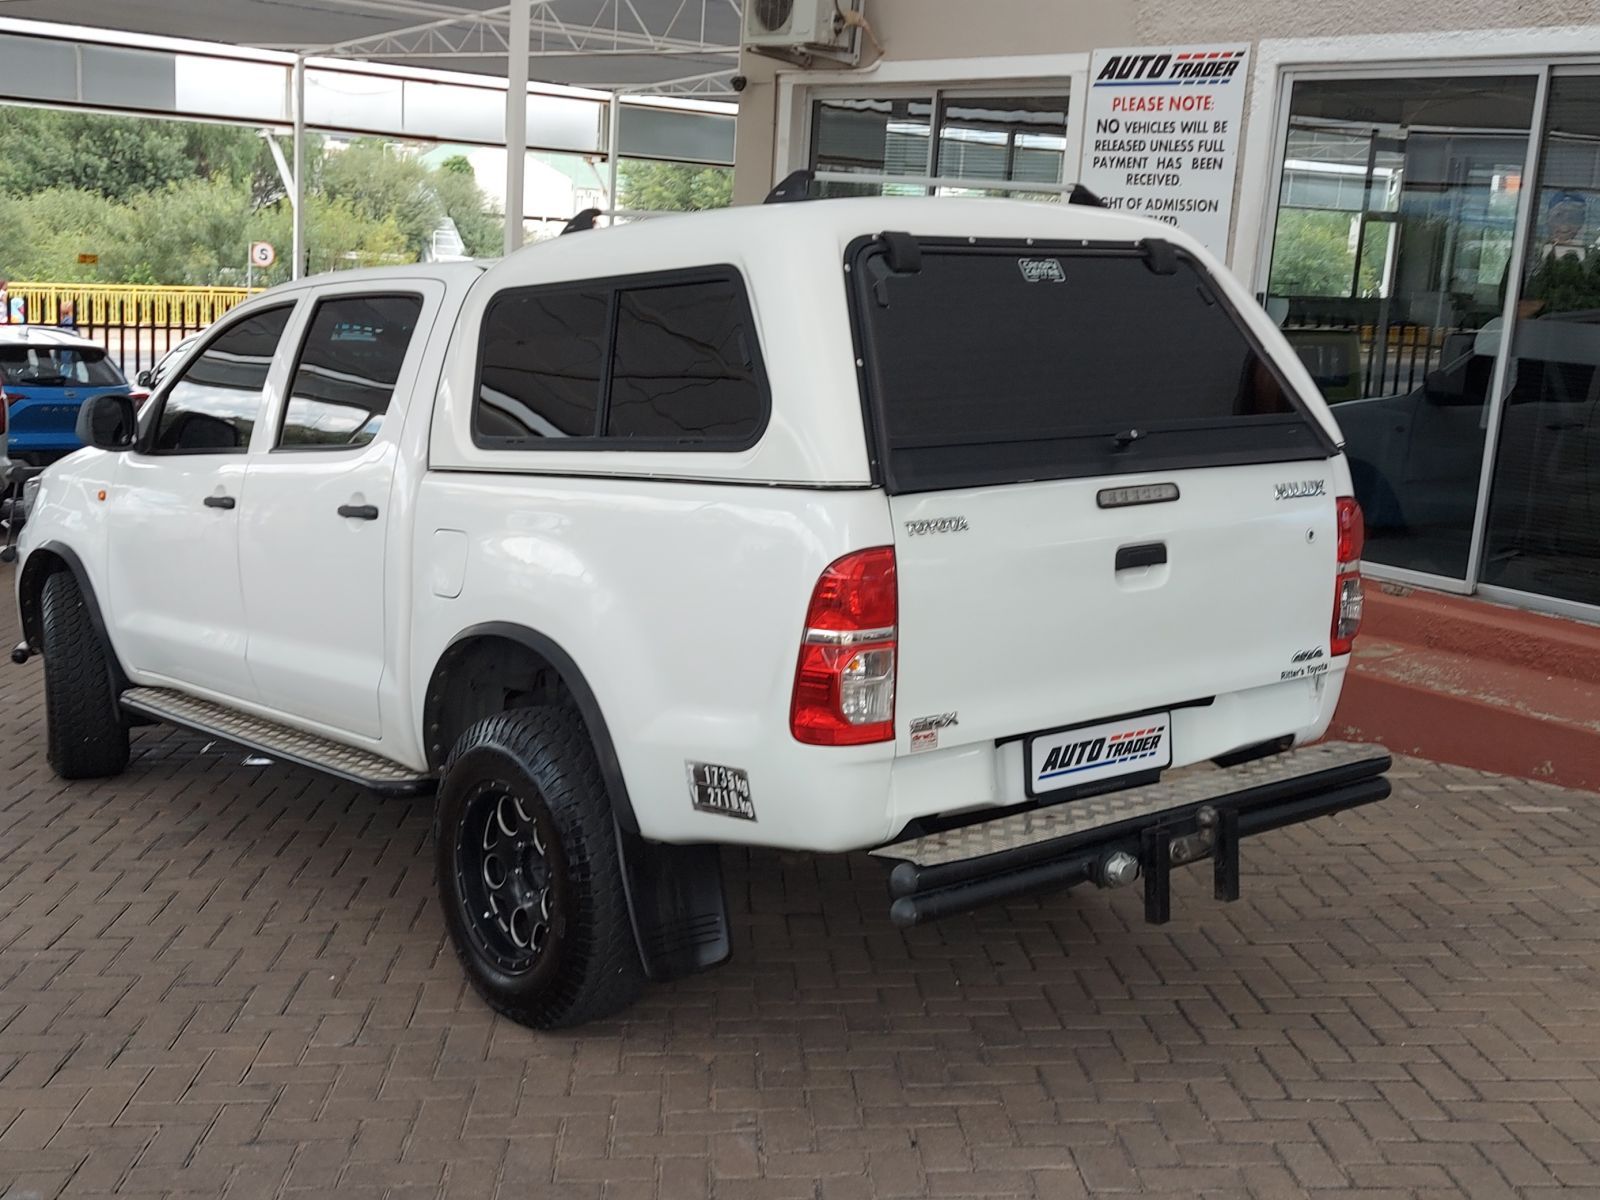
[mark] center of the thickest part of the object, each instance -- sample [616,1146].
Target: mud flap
[676,903]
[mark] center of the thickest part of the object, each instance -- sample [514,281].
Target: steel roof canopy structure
[663,46]
[643,47]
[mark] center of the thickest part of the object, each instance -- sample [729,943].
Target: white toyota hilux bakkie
[1009,542]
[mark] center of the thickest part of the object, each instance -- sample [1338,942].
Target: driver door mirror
[108,422]
[145,378]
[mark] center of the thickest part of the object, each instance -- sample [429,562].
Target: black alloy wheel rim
[506,878]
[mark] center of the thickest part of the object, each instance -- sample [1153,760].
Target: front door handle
[361,512]
[220,502]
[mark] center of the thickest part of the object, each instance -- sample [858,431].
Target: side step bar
[356,766]
[1113,839]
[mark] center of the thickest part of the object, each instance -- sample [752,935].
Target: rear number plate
[1091,753]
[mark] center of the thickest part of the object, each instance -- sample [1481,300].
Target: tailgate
[1015,616]
[1107,499]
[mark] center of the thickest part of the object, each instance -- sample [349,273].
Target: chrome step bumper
[277,741]
[1196,813]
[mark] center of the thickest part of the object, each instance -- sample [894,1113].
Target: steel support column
[517,47]
[613,153]
[298,199]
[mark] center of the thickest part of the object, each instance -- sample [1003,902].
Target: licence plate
[1071,758]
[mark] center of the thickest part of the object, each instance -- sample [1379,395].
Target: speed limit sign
[262,254]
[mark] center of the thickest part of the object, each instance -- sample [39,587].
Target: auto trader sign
[1163,134]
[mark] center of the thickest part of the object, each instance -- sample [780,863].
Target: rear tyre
[86,735]
[529,876]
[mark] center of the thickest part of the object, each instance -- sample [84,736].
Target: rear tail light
[1347,593]
[138,398]
[844,681]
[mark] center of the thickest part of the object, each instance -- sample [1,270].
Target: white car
[1010,542]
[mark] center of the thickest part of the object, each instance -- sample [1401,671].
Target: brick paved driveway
[225,980]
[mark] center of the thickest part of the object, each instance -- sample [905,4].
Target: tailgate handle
[1148,554]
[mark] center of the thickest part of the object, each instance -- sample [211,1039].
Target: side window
[212,407]
[683,367]
[345,377]
[660,362]
[542,356]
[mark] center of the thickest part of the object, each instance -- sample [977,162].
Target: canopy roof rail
[795,186]
[582,221]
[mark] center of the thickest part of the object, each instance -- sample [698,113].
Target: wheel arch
[449,705]
[676,902]
[44,561]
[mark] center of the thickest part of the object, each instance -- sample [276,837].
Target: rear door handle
[361,512]
[220,502]
[1147,554]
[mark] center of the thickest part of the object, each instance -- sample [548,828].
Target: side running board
[277,741]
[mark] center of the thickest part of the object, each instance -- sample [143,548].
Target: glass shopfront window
[1543,529]
[947,144]
[1397,214]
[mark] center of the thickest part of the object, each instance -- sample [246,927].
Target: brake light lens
[138,398]
[844,680]
[1347,588]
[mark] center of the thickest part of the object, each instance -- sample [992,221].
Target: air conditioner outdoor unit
[802,30]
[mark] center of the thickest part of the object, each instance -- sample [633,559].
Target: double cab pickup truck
[1008,542]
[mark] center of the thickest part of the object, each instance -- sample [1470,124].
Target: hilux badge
[1299,489]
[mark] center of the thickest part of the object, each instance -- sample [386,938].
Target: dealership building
[1413,190]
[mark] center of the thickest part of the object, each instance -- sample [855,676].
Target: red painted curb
[1456,729]
[1480,629]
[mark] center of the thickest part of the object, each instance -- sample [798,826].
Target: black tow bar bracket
[1155,860]
[1225,856]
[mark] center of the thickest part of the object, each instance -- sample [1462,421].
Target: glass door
[1397,212]
[1542,531]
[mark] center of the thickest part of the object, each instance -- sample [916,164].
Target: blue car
[48,374]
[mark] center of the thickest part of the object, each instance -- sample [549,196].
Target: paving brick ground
[219,980]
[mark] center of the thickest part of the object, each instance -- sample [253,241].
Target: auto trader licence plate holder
[1091,754]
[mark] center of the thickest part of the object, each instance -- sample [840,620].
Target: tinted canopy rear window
[991,363]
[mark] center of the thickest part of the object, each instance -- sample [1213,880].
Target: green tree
[1311,254]
[169,202]
[116,156]
[380,184]
[673,187]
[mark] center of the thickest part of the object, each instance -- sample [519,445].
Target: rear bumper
[1191,816]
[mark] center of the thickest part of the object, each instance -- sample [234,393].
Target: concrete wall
[934,29]
[1223,20]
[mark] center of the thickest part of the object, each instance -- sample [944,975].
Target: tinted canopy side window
[542,361]
[212,407]
[666,361]
[684,368]
[349,362]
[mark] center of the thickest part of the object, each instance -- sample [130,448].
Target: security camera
[740,82]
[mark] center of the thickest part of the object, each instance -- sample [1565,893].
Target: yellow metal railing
[128,304]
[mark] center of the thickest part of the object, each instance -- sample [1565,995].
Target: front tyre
[86,737]
[529,877]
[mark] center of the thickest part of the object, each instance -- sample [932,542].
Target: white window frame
[1033,74]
